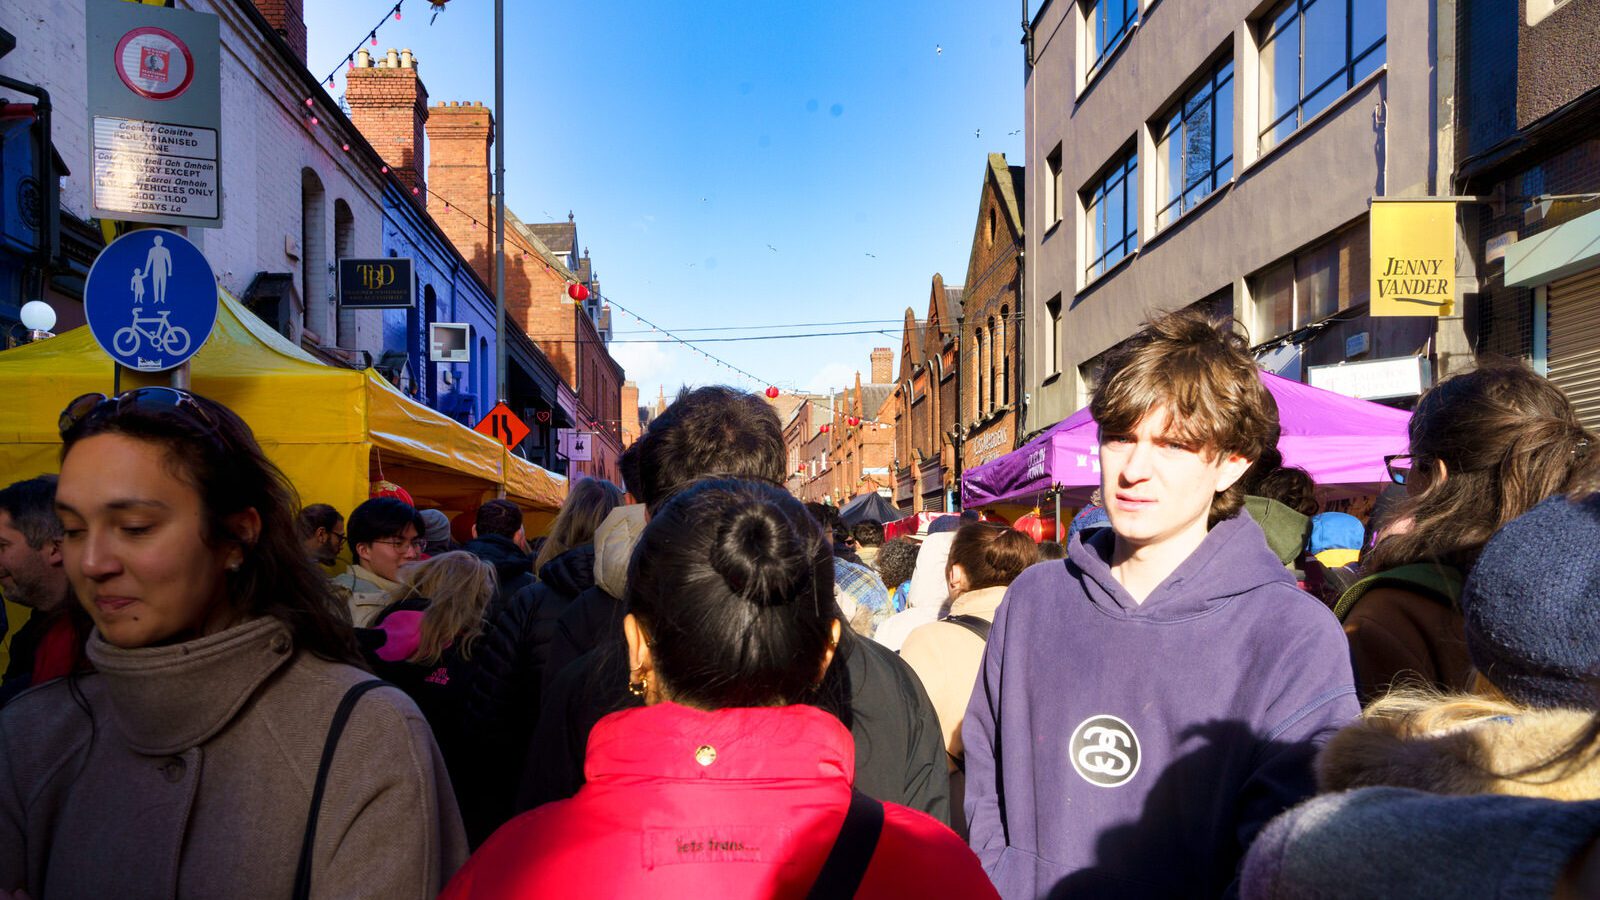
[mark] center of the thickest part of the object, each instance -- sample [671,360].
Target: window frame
[1098,53]
[1055,195]
[1123,167]
[1266,33]
[1052,346]
[1173,124]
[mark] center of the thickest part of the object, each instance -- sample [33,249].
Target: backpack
[1440,582]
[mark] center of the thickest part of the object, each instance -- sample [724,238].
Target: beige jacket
[947,657]
[187,771]
[364,591]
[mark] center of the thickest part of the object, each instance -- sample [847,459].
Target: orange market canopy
[332,430]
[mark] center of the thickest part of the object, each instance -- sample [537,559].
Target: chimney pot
[392,58]
[363,58]
[407,61]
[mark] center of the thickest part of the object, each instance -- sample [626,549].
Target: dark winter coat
[47,646]
[511,657]
[899,748]
[512,566]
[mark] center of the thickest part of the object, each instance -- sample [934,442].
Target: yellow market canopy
[333,431]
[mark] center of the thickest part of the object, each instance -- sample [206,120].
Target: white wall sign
[1378,379]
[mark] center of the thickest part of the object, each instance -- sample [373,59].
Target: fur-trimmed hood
[1463,745]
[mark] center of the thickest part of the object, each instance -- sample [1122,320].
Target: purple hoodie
[1120,749]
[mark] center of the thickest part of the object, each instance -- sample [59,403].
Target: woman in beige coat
[186,765]
[947,654]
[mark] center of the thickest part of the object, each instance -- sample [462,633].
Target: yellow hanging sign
[1413,257]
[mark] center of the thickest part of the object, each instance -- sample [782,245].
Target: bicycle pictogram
[164,336]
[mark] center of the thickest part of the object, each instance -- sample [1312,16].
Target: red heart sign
[542,415]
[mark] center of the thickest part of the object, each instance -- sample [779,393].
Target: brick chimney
[288,18]
[389,105]
[459,136]
[882,365]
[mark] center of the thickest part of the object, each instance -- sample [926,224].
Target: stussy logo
[1105,751]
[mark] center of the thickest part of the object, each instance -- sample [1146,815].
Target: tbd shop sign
[155,114]
[384,283]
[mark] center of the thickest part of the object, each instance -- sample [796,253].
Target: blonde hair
[458,587]
[587,505]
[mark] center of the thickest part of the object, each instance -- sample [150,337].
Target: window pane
[1223,119]
[1316,287]
[1368,24]
[1197,152]
[1130,207]
[1280,73]
[1368,64]
[1316,102]
[1324,28]
[1274,295]
[1114,201]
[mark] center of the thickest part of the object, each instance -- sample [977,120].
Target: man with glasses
[322,533]
[384,534]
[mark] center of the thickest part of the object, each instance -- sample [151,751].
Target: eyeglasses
[338,539]
[149,399]
[401,544]
[1399,466]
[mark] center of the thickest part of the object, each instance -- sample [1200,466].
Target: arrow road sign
[503,425]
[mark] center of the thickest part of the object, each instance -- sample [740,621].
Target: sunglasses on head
[148,399]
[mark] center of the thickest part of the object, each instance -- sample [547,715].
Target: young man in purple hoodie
[1150,704]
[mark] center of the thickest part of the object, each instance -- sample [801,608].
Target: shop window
[1312,51]
[1005,358]
[1312,285]
[1194,145]
[1111,216]
[1108,22]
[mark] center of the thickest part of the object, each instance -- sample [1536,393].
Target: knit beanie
[1533,623]
[438,526]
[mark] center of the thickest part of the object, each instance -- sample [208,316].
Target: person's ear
[245,527]
[52,553]
[474,532]
[834,633]
[1231,469]
[639,662]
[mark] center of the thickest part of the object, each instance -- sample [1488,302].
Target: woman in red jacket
[733,780]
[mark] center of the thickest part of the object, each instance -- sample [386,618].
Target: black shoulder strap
[977,626]
[852,851]
[302,875]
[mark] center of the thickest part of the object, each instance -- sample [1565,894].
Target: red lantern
[772,393]
[825,427]
[853,421]
[1034,526]
[578,292]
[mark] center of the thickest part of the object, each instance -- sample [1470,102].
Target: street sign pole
[500,200]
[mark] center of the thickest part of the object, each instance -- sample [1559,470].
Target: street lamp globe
[38,317]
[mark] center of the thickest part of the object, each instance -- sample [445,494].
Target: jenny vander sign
[1413,257]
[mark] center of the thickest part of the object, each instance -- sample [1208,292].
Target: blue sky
[735,164]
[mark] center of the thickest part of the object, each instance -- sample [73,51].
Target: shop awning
[1339,440]
[333,431]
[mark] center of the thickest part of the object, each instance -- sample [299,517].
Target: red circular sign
[153,63]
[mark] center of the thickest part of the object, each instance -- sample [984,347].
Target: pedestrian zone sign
[151,300]
[503,425]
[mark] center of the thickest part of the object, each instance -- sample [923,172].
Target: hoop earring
[637,688]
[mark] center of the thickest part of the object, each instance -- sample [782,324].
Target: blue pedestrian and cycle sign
[151,300]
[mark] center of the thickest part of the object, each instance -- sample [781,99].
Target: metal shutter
[1574,355]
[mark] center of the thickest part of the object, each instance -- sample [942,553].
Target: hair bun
[756,555]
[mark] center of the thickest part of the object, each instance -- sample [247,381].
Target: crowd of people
[694,684]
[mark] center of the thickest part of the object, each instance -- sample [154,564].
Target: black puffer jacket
[511,656]
[514,567]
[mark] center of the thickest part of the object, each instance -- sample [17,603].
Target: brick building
[841,444]
[460,136]
[992,338]
[923,404]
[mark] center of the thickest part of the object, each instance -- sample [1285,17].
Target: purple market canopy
[1339,440]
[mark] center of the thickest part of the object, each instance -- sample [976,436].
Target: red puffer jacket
[731,803]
